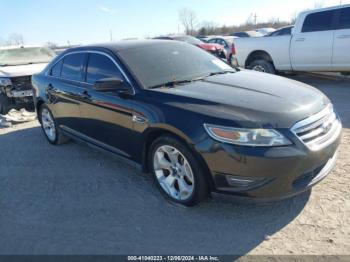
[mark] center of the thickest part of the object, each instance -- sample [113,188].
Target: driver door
[106,116]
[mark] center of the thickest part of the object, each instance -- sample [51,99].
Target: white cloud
[106,9]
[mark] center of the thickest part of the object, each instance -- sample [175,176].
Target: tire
[47,118]
[262,66]
[189,185]
[5,104]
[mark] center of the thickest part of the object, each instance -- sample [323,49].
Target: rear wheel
[49,127]
[177,172]
[262,66]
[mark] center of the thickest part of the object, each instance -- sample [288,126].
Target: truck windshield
[25,56]
[161,63]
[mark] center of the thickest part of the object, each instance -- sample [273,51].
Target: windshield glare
[23,56]
[162,63]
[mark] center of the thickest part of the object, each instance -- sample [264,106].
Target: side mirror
[112,84]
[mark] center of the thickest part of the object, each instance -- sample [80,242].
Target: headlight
[4,81]
[247,137]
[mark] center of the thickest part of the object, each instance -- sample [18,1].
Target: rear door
[107,117]
[65,88]
[312,47]
[341,48]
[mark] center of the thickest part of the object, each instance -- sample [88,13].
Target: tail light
[233,49]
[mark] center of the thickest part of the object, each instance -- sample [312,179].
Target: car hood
[250,99]
[21,70]
[210,47]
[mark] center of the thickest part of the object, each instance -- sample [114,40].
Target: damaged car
[194,122]
[17,65]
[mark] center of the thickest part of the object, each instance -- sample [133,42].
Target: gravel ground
[75,200]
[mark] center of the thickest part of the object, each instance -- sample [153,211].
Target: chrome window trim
[89,52]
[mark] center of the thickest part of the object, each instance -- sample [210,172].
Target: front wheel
[177,172]
[5,104]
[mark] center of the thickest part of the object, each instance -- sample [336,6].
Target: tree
[319,4]
[188,20]
[51,45]
[15,39]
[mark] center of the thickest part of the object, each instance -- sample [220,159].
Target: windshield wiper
[172,83]
[220,73]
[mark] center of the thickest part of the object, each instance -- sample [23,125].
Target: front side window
[321,21]
[72,67]
[56,69]
[344,22]
[100,67]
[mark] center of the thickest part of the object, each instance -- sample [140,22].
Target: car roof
[124,45]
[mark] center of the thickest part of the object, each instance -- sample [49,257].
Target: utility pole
[255,20]
[111,35]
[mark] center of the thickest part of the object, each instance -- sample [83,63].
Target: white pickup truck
[319,41]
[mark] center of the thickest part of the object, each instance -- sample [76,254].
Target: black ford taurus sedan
[197,124]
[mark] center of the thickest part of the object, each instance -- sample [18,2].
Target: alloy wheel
[173,172]
[48,124]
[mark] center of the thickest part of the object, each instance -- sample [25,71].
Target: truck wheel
[262,66]
[5,104]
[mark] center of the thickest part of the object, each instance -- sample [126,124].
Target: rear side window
[56,69]
[99,67]
[72,67]
[344,22]
[321,21]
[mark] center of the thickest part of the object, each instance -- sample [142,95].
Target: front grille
[22,82]
[320,130]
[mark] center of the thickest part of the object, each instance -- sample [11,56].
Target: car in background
[282,31]
[319,42]
[194,122]
[247,34]
[17,65]
[265,30]
[215,49]
[227,43]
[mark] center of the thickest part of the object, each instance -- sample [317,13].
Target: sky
[94,21]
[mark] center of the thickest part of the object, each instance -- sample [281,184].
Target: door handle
[300,39]
[343,36]
[139,119]
[85,95]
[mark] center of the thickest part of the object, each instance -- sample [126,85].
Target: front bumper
[266,174]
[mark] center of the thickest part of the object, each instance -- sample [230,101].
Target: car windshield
[254,34]
[188,39]
[162,63]
[24,56]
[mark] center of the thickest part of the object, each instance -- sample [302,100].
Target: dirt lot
[75,200]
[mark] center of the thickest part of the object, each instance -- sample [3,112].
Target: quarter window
[344,22]
[72,67]
[321,21]
[99,67]
[56,69]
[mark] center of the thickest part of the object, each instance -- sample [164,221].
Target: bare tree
[188,20]
[15,39]
[51,45]
[319,4]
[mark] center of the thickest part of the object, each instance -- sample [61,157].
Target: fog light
[239,181]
